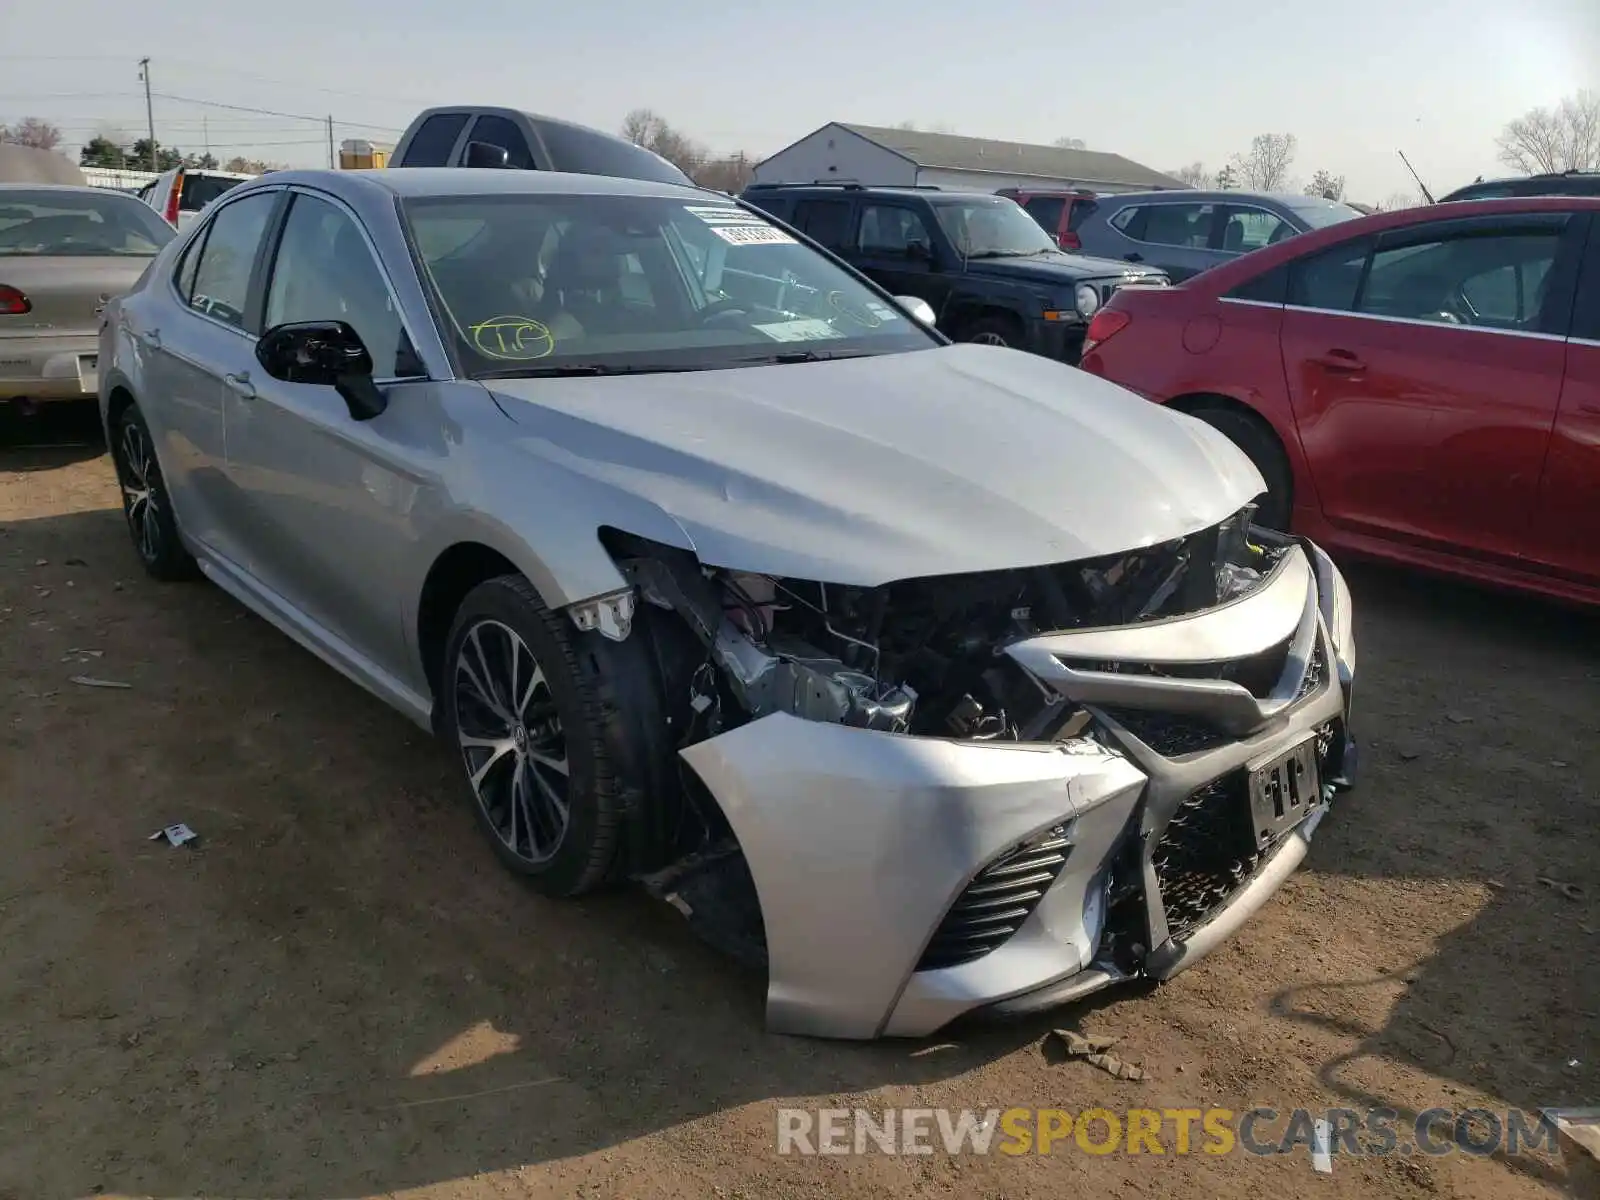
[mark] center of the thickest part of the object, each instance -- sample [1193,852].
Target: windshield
[559,284]
[1328,212]
[78,224]
[995,228]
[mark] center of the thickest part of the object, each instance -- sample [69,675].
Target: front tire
[992,331]
[145,500]
[526,716]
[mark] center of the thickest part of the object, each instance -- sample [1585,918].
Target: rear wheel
[145,501]
[1260,444]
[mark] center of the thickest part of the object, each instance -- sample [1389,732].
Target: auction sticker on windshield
[807,329]
[751,235]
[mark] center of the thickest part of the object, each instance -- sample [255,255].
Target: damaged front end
[996,791]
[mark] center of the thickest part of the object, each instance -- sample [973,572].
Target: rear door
[1566,528]
[1175,236]
[1425,375]
[200,333]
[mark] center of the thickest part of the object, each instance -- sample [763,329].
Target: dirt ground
[338,993]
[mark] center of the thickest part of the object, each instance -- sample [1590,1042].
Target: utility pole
[205,127]
[149,112]
[331,163]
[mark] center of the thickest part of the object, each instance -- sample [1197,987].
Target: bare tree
[1551,140]
[1069,143]
[731,174]
[250,166]
[32,131]
[1266,167]
[1195,175]
[1327,185]
[1398,200]
[645,127]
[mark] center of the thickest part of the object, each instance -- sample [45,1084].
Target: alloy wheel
[141,498]
[512,741]
[988,338]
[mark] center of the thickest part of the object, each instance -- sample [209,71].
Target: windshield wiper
[1003,253]
[570,370]
[800,356]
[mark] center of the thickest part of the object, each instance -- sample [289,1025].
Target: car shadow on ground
[53,436]
[337,990]
[1498,788]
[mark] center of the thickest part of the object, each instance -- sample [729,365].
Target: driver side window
[890,231]
[325,271]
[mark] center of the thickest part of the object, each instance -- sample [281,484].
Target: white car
[181,193]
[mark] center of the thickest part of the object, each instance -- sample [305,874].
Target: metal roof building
[874,155]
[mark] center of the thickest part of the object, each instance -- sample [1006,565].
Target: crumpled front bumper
[865,846]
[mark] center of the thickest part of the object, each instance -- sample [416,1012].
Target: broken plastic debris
[76,655]
[88,681]
[1093,1051]
[175,835]
[1570,890]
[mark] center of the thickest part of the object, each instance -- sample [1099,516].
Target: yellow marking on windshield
[516,339]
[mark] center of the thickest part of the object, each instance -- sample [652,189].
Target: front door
[187,354]
[1424,379]
[895,248]
[327,497]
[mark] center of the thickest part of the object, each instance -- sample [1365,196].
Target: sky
[1163,82]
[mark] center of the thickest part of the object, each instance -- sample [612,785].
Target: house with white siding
[880,157]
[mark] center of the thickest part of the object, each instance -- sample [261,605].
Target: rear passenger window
[432,145]
[498,131]
[184,279]
[1329,279]
[825,221]
[1187,225]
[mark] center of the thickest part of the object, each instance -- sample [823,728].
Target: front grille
[1169,736]
[1206,853]
[997,901]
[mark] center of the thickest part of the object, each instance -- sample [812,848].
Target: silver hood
[863,471]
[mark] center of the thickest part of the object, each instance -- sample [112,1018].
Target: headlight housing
[1086,300]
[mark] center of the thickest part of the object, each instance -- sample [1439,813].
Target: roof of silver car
[467,181]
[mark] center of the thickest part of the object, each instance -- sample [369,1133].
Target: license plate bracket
[89,372]
[1284,789]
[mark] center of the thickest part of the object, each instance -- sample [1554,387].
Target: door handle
[151,338]
[1339,360]
[240,385]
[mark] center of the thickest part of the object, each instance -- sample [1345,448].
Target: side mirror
[919,252]
[487,154]
[326,354]
[918,308]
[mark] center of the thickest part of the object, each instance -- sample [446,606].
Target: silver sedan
[934,678]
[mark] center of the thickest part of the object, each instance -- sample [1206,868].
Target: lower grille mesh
[1206,853]
[997,901]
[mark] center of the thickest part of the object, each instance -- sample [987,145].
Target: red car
[1419,386]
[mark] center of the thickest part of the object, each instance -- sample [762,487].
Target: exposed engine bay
[923,656]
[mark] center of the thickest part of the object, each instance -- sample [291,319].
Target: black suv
[1567,183]
[983,264]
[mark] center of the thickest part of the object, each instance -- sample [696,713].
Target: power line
[268,112]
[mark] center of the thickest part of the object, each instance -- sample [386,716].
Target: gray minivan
[1184,232]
